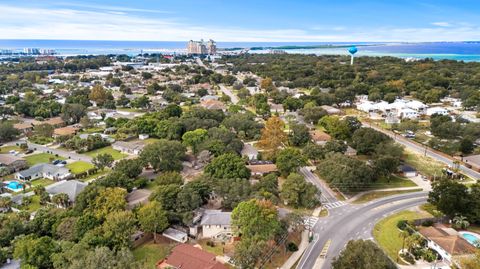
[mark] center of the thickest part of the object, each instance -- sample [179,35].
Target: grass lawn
[6,149]
[99,173]
[34,205]
[380,194]
[41,158]
[42,182]
[431,209]
[217,249]
[117,155]
[151,140]
[79,167]
[150,253]
[92,130]
[387,235]
[393,182]
[425,165]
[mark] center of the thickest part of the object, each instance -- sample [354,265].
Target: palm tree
[413,241]
[5,203]
[403,234]
[460,222]
[61,199]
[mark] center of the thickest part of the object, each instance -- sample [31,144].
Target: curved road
[351,222]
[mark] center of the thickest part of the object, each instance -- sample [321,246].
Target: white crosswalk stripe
[333,205]
[310,221]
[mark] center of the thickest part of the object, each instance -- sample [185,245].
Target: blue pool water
[14,185]
[472,239]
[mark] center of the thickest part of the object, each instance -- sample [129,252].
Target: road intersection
[350,222]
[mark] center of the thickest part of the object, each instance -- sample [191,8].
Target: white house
[408,113]
[212,224]
[215,224]
[129,147]
[437,110]
[43,170]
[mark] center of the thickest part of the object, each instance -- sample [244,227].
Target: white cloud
[107,23]
[441,24]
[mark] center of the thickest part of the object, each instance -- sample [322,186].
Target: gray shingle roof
[43,168]
[70,187]
[216,217]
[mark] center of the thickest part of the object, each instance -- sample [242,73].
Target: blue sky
[246,20]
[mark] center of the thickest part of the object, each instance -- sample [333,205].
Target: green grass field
[117,155]
[41,158]
[6,149]
[150,253]
[79,167]
[387,235]
[42,182]
[425,165]
[380,194]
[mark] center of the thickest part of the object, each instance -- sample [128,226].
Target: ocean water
[463,51]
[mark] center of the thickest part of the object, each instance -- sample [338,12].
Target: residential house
[319,137]
[408,171]
[215,224]
[447,243]
[437,110]
[10,164]
[262,169]
[23,127]
[350,151]
[186,256]
[331,110]
[55,122]
[213,105]
[65,131]
[43,170]
[70,187]
[129,147]
[249,151]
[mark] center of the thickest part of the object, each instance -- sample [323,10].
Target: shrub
[140,182]
[402,224]
[292,247]
[210,244]
[408,258]
[427,223]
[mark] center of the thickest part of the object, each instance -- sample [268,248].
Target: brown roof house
[320,137]
[55,122]
[262,169]
[213,104]
[65,131]
[186,256]
[447,242]
[10,164]
[23,127]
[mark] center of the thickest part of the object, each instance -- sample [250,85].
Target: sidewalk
[358,195]
[297,254]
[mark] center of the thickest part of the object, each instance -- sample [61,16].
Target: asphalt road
[228,92]
[351,222]
[327,195]
[64,153]
[425,150]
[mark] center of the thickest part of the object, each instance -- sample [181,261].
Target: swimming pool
[472,238]
[14,186]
